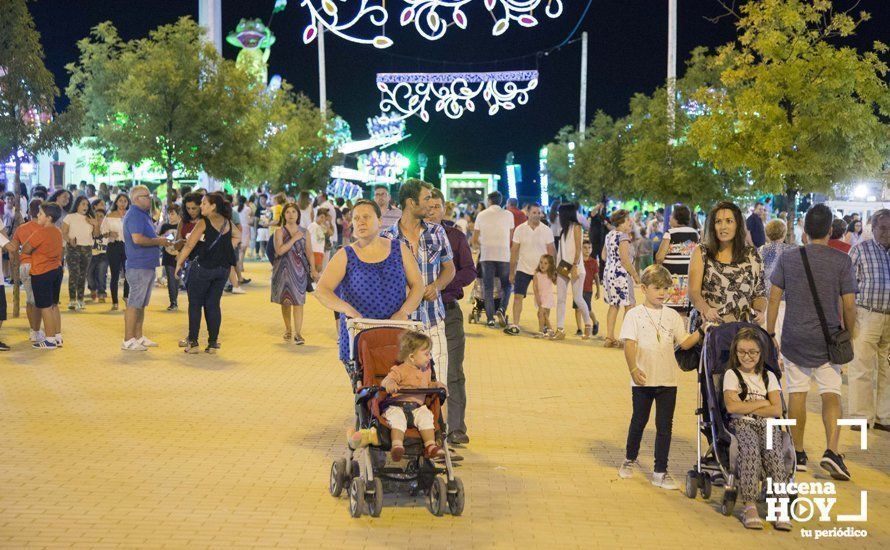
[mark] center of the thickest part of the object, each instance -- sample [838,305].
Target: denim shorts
[141,282]
[25,276]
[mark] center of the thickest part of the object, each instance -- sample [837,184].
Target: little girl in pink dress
[545,299]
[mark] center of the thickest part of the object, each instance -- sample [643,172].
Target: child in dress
[650,333]
[413,371]
[543,284]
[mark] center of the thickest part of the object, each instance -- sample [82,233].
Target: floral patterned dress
[617,282]
[732,287]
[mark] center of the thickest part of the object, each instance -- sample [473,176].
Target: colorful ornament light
[407,94]
[431,18]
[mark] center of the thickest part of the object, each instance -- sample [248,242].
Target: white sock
[58,337]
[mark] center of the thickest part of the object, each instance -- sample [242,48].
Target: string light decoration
[390,165]
[407,94]
[431,18]
[381,126]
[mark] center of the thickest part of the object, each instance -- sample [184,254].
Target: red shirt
[47,253]
[591,268]
[22,234]
[519,216]
[840,245]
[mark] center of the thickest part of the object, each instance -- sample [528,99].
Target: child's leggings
[754,458]
[665,398]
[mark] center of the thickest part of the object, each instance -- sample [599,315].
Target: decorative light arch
[407,94]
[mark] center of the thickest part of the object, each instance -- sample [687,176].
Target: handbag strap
[822,321]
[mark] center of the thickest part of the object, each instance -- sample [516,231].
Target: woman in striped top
[674,254]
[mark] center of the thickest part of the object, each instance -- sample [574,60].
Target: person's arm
[236,235]
[772,312]
[696,274]
[663,249]
[624,256]
[576,235]
[329,281]
[65,230]
[463,260]
[736,406]
[415,285]
[310,256]
[772,408]
[281,246]
[514,259]
[537,293]
[97,229]
[446,275]
[849,312]
[630,356]
[190,244]
[551,249]
[477,232]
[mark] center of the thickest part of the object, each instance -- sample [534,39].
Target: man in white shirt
[492,234]
[531,240]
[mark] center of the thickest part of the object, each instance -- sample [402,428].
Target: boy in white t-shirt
[650,333]
[321,232]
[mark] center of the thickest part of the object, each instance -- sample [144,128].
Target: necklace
[657,326]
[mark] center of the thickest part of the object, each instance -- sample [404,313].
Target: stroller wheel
[456,498]
[438,497]
[338,475]
[705,486]
[728,502]
[375,501]
[691,483]
[357,497]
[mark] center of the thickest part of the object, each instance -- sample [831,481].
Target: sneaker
[212,347]
[500,318]
[244,281]
[238,290]
[184,343]
[782,525]
[46,343]
[172,307]
[579,332]
[147,343]
[833,463]
[664,480]
[626,470]
[298,340]
[801,460]
[596,328]
[114,307]
[3,346]
[72,306]
[80,305]
[491,323]
[132,345]
[228,288]
[58,340]
[36,335]
[458,438]
[192,347]
[558,334]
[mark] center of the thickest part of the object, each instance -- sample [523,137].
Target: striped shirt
[434,250]
[871,265]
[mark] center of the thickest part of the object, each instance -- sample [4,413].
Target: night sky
[627,48]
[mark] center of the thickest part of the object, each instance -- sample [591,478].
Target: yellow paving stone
[105,448]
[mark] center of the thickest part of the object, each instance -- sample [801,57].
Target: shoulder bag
[840,345]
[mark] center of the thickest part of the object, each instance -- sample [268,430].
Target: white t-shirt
[756,391]
[566,251]
[316,233]
[79,229]
[113,224]
[332,210]
[655,357]
[462,225]
[532,245]
[3,242]
[494,225]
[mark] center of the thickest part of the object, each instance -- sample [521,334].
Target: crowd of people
[413,258]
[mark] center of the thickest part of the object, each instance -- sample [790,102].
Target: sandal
[512,330]
[558,334]
[751,518]
[610,342]
[288,336]
[588,332]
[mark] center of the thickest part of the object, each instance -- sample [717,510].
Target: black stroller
[720,460]
[373,349]
[477,297]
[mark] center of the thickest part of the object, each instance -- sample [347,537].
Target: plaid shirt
[434,250]
[871,264]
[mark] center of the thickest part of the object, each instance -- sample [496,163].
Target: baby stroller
[720,461]
[477,314]
[373,351]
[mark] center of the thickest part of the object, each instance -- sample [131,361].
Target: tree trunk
[14,258]
[791,204]
[170,183]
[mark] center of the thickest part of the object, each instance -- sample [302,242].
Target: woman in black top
[214,236]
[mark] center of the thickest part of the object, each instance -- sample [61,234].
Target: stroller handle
[370,391]
[364,323]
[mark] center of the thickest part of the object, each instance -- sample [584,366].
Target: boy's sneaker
[44,344]
[238,290]
[833,463]
[72,306]
[801,460]
[36,335]
[664,480]
[147,343]
[58,340]
[132,345]
[212,347]
[627,469]
[192,347]
[172,307]
[3,346]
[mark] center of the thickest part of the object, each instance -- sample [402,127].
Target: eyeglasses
[746,353]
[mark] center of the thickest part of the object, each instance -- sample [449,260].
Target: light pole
[322,80]
[672,65]
[582,123]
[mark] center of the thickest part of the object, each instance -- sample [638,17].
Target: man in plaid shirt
[871,343]
[429,244]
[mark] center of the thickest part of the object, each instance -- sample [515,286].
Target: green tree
[794,110]
[29,123]
[168,98]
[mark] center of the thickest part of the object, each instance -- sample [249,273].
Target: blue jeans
[490,270]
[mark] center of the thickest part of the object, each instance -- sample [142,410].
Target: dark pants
[172,284]
[490,270]
[116,259]
[205,290]
[457,392]
[665,399]
[97,274]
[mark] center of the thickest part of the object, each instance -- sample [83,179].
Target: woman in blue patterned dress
[619,274]
[368,278]
[293,266]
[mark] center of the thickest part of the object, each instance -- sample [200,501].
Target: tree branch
[730,12]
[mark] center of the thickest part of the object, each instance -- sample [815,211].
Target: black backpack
[270,250]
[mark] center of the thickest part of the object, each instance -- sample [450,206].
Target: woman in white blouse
[78,230]
[113,229]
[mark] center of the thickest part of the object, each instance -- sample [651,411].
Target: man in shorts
[22,235]
[531,240]
[803,347]
[142,249]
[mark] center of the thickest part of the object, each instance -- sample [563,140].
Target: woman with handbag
[570,271]
[293,270]
[619,274]
[209,271]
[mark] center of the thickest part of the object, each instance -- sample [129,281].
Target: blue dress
[376,290]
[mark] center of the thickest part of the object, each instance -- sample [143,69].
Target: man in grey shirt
[803,346]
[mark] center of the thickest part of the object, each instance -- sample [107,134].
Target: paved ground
[106,448]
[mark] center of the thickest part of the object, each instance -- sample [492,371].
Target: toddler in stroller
[417,440]
[740,375]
